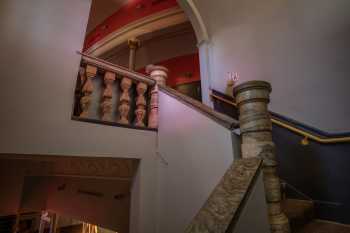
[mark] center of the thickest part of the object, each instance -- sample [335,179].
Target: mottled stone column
[256,130]
[159,74]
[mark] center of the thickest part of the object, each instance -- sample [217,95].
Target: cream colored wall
[254,217]
[301,47]
[39,67]
[195,152]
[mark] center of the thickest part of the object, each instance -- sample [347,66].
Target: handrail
[234,189]
[117,69]
[220,118]
[291,128]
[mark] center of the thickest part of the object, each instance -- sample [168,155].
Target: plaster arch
[192,12]
[204,47]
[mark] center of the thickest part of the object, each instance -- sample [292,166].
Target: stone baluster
[126,83]
[159,74]
[141,103]
[82,75]
[87,90]
[106,105]
[256,130]
[124,106]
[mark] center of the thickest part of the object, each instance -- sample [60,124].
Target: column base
[279,223]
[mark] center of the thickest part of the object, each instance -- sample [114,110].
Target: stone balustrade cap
[134,43]
[151,68]
[255,84]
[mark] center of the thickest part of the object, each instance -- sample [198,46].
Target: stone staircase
[302,218]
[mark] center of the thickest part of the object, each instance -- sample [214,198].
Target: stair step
[299,212]
[321,226]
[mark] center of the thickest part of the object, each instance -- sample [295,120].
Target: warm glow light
[89,228]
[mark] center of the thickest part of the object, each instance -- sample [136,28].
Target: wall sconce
[231,81]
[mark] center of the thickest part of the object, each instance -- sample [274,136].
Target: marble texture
[224,203]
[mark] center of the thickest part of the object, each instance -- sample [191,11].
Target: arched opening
[171,34]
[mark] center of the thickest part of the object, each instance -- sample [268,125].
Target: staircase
[302,218]
[302,214]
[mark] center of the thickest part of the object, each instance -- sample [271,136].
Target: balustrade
[115,95]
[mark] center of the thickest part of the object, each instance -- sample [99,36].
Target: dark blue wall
[318,171]
[321,171]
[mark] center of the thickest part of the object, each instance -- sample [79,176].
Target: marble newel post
[159,74]
[256,129]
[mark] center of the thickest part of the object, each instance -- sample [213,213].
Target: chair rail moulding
[155,22]
[307,132]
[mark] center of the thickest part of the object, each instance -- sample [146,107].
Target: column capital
[252,91]
[134,43]
[158,73]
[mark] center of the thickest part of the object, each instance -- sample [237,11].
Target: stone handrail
[108,66]
[146,88]
[229,198]
[220,118]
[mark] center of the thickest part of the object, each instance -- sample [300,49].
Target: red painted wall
[131,11]
[180,68]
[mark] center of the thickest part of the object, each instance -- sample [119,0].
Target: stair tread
[295,208]
[320,226]
[299,212]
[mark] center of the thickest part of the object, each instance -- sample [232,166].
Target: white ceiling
[100,10]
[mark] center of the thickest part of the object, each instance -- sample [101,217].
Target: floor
[320,226]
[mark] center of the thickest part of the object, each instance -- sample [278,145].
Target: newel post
[256,129]
[159,74]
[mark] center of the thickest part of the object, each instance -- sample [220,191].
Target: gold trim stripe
[291,128]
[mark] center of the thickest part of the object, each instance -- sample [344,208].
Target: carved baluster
[255,124]
[124,106]
[159,74]
[87,90]
[106,105]
[82,75]
[140,111]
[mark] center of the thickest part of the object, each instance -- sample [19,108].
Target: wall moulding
[155,22]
